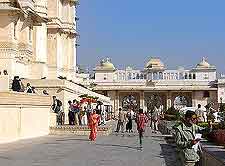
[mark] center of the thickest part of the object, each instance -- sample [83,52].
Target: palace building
[137,88]
[38,42]
[38,38]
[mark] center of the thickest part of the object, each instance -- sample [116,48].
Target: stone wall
[23,116]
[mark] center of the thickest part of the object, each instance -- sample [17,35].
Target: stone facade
[23,116]
[196,85]
[35,36]
[221,90]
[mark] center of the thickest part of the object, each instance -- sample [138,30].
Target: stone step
[79,130]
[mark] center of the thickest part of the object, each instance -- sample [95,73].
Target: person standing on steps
[141,121]
[70,113]
[93,124]
[121,120]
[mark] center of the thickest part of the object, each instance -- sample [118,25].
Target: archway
[152,101]
[129,101]
[180,102]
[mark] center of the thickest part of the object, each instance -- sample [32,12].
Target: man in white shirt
[200,113]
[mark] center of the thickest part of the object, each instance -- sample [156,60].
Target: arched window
[181,76]
[141,76]
[145,76]
[194,76]
[129,76]
[160,75]
[206,94]
[137,76]
[155,76]
[134,75]
[186,76]
[190,76]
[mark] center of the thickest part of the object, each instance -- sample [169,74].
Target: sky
[179,32]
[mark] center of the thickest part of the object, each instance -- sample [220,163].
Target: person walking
[155,119]
[185,138]
[141,121]
[93,124]
[200,114]
[121,120]
[129,125]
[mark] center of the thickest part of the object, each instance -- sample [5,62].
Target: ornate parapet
[41,8]
[62,27]
[74,2]
[8,50]
[27,4]
[24,53]
[21,51]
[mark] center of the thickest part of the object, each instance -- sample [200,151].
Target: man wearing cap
[185,139]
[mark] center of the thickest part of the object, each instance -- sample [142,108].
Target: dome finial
[203,59]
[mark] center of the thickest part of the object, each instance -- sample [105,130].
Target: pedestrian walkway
[70,150]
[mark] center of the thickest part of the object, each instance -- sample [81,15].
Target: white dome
[105,65]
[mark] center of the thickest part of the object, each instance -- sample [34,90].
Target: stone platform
[80,130]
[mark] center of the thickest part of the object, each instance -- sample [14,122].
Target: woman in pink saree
[93,124]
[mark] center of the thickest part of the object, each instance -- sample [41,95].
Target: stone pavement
[70,150]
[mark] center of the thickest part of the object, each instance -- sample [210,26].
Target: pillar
[38,66]
[169,100]
[142,100]
[194,102]
[116,103]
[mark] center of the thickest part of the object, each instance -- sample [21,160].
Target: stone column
[53,54]
[194,102]
[142,100]
[39,64]
[169,100]
[116,103]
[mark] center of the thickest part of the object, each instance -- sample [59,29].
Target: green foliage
[172,114]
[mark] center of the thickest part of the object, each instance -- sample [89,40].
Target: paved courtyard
[70,150]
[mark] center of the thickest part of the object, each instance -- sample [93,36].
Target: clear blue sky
[180,32]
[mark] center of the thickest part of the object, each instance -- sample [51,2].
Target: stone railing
[79,130]
[212,155]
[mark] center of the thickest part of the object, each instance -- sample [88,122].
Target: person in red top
[141,121]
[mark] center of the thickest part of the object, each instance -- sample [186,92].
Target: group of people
[127,117]
[4,72]
[18,86]
[77,115]
[208,115]
[80,115]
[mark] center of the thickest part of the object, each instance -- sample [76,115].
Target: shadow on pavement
[74,139]
[169,154]
[120,146]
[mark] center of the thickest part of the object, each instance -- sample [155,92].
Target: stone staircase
[80,130]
